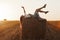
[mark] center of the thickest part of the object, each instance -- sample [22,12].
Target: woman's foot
[44,6]
[46,12]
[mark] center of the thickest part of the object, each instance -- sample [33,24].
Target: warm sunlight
[11,9]
[4,11]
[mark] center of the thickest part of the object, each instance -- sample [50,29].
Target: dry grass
[10,30]
[56,24]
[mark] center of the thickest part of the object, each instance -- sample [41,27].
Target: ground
[10,30]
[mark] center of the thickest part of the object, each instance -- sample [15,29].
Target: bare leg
[37,10]
[44,12]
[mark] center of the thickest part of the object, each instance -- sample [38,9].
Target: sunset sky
[11,9]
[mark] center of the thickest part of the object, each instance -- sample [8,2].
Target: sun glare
[4,11]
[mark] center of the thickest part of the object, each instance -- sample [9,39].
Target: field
[10,30]
[53,30]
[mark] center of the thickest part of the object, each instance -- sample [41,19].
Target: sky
[11,9]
